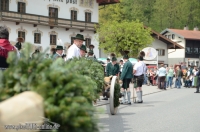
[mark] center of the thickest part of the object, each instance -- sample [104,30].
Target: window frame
[74,15]
[161,52]
[39,38]
[4,4]
[20,9]
[87,42]
[72,40]
[54,39]
[88,17]
[22,34]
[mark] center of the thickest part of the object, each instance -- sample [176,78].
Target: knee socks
[129,96]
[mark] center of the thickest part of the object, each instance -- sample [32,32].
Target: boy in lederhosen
[126,77]
[139,71]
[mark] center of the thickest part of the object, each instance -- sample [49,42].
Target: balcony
[106,2]
[46,21]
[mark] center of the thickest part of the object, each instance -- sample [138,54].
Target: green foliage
[157,14]
[120,36]
[67,89]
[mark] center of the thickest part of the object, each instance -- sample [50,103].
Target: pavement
[146,91]
[173,110]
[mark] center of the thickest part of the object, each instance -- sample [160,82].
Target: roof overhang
[170,44]
[170,31]
[106,2]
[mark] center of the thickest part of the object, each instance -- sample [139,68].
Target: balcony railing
[44,20]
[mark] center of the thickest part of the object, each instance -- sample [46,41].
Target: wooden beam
[81,30]
[51,27]
[34,25]
[67,29]
[17,23]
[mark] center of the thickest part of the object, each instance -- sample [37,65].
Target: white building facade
[44,22]
[190,40]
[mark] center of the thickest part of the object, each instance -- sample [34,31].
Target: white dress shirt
[140,68]
[73,51]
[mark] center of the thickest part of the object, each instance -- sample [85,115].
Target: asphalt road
[174,110]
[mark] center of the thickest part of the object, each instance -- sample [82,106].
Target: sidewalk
[146,91]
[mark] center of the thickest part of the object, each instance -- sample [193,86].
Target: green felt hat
[83,47]
[80,37]
[59,47]
[114,59]
[125,57]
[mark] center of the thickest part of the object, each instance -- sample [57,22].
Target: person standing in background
[161,77]
[170,75]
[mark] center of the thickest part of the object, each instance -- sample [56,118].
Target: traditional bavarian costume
[126,77]
[57,55]
[140,68]
[74,50]
[83,48]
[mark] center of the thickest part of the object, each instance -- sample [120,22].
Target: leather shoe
[196,92]
[139,101]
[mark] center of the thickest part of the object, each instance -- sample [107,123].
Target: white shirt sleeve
[71,52]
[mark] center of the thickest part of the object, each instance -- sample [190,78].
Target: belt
[140,75]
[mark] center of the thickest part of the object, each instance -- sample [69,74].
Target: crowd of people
[140,74]
[179,76]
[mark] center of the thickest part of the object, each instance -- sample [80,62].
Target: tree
[123,36]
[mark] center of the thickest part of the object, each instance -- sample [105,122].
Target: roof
[186,34]
[106,2]
[171,44]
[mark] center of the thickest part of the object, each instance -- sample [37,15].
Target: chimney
[196,28]
[186,27]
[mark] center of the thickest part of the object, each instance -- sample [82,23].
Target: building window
[87,17]
[21,34]
[52,39]
[73,15]
[161,52]
[21,7]
[173,36]
[87,42]
[72,40]
[4,5]
[188,50]
[53,12]
[37,38]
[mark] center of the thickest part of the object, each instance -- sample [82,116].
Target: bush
[68,88]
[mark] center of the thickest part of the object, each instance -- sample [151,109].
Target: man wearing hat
[139,70]
[112,71]
[91,47]
[74,50]
[59,51]
[126,77]
[18,45]
[83,50]
[90,55]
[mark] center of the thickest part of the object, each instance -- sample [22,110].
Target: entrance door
[53,15]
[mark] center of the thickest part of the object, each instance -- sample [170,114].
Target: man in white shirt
[74,50]
[139,70]
[161,77]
